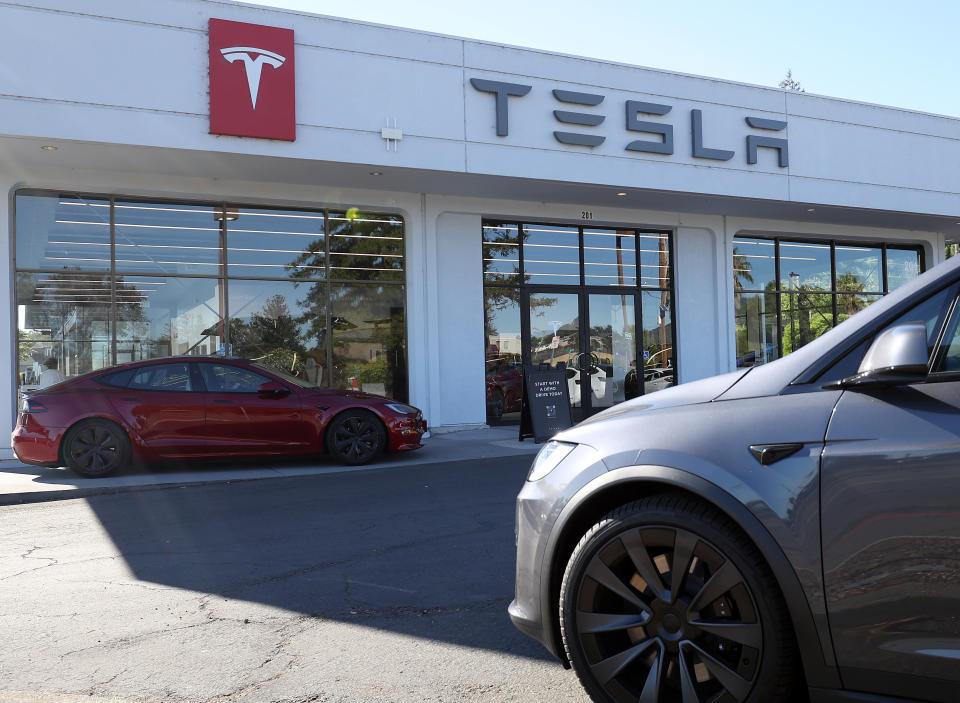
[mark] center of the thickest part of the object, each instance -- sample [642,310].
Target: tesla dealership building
[416,215]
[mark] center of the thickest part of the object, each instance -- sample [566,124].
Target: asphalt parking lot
[389,584]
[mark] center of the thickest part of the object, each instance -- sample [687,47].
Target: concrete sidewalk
[20,483]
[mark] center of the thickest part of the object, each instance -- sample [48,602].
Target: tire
[499,404]
[725,637]
[95,448]
[356,437]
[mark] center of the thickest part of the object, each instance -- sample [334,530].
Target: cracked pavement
[359,587]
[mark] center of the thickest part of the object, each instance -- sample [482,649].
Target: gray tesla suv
[780,532]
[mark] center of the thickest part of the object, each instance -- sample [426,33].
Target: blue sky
[891,53]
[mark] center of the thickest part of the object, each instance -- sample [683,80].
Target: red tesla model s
[204,407]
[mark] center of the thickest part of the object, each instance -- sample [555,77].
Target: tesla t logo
[253,62]
[247,99]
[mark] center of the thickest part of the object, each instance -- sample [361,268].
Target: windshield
[301,381]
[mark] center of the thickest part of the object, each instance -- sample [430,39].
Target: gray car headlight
[548,459]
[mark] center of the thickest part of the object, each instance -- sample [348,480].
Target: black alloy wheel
[96,448]
[664,601]
[356,437]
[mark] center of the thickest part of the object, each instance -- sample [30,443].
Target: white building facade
[446,209]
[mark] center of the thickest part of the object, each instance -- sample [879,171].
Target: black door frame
[583,294]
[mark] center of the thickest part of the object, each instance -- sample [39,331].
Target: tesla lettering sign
[252,81]
[659,139]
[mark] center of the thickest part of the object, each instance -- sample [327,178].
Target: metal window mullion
[777,296]
[583,275]
[525,355]
[885,284]
[224,279]
[224,249]
[114,332]
[833,281]
[328,303]
[638,272]
[520,248]
[673,309]
[14,293]
[638,336]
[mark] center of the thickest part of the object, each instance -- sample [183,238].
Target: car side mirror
[898,357]
[272,389]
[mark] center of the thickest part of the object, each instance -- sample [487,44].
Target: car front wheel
[665,601]
[356,437]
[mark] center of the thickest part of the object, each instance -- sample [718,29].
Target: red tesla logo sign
[252,81]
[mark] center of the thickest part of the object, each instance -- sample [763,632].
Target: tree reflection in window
[820,285]
[272,303]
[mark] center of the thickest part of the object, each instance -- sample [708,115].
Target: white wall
[701,293]
[145,82]
[455,313]
[8,323]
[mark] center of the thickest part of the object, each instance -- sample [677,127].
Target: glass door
[554,336]
[594,335]
[612,328]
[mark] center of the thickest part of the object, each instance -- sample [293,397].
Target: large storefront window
[597,299]
[105,280]
[789,292]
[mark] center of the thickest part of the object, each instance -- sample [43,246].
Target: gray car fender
[815,646]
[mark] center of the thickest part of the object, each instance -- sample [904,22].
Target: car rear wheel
[95,448]
[356,437]
[665,601]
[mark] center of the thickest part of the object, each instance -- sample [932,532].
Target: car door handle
[131,400]
[223,402]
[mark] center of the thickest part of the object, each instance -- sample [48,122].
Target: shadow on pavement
[426,551]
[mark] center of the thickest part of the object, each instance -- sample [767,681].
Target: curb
[27,497]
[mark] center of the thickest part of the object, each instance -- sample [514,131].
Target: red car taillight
[32,406]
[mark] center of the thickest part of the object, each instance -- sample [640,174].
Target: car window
[117,379]
[227,378]
[947,359]
[298,381]
[930,312]
[162,377]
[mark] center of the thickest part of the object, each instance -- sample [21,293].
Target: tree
[791,84]
[275,308]
[271,335]
[366,318]
[742,274]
